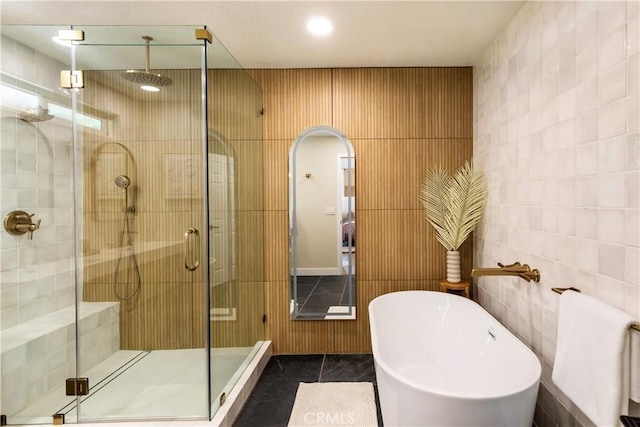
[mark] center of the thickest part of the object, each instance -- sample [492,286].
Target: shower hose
[126,231]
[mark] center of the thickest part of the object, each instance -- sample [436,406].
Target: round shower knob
[18,223]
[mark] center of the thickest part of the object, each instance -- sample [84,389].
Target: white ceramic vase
[453,266]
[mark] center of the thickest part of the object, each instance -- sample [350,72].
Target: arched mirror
[322,225]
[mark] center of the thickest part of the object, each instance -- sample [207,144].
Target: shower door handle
[191,256]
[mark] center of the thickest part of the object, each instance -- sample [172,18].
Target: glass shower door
[141,206]
[117,178]
[236,203]
[37,291]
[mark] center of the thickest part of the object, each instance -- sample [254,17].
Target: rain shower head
[122,181]
[147,80]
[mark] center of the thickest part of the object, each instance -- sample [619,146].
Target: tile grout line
[324,357]
[310,293]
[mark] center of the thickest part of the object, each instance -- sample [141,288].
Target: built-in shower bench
[39,354]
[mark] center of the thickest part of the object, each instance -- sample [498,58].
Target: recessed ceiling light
[319,26]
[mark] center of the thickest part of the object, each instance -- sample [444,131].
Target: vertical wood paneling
[248,166]
[248,327]
[234,102]
[294,100]
[397,245]
[276,241]
[250,257]
[390,171]
[403,102]
[142,130]
[355,336]
[169,310]
[294,337]
[276,174]
[361,109]
[401,122]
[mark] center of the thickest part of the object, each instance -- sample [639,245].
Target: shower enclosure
[131,255]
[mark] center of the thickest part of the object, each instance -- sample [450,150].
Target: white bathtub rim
[445,393]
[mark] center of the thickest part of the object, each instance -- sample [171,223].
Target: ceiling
[272,34]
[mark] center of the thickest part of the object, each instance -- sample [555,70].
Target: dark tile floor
[317,293]
[271,401]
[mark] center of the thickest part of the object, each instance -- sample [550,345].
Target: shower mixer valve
[18,223]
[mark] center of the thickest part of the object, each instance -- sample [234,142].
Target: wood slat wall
[169,310]
[401,121]
[294,100]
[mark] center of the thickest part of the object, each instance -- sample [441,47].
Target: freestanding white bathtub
[442,360]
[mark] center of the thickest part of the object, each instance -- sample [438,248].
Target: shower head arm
[147,53]
[147,58]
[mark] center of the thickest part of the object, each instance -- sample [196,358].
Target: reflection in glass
[322,225]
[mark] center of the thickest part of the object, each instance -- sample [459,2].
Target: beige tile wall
[556,128]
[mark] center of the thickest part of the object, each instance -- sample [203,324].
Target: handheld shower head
[122,181]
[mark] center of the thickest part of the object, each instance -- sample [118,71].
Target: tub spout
[515,269]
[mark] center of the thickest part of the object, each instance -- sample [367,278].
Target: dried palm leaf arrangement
[453,205]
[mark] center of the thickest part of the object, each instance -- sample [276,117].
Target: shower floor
[145,385]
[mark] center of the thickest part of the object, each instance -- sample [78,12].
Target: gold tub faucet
[515,269]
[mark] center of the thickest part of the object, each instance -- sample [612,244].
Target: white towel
[634,392]
[592,357]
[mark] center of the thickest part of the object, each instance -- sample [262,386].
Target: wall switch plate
[330,210]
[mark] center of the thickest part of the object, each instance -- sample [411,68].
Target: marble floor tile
[271,401]
[348,367]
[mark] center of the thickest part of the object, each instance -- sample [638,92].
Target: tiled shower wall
[556,131]
[37,275]
[37,291]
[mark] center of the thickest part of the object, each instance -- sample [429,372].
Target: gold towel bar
[634,326]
